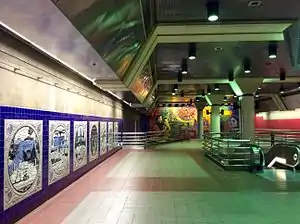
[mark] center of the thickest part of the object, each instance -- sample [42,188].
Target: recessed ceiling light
[255,3]
[218,49]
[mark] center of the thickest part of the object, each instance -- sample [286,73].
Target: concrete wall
[29,79]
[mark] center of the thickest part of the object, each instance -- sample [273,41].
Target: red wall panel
[289,123]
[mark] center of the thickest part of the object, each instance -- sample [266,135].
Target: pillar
[200,105]
[215,119]
[200,123]
[247,115]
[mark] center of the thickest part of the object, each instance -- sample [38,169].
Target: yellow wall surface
[29,79]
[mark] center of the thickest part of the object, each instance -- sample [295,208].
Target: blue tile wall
[21,209]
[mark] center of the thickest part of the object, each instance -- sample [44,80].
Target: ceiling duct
[292,40]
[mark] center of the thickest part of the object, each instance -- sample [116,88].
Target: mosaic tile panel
[23,146]
[103,137]
[59,150]
[79,144]
[94,140]
[110,135]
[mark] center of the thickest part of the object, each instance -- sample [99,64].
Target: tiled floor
[173,183]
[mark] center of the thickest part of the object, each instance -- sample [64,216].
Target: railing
[140,140]
[232,153]
[267,138]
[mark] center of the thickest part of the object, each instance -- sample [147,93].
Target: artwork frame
[23,160]
[79,144]
[94,140]
[59,150]
[103,137]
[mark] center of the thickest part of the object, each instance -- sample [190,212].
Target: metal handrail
[228,153]
[139,140]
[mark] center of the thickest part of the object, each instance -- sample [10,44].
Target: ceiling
[178,11]
[117,30]
[215,60]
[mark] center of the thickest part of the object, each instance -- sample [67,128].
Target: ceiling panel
[233,10]
[215,60]
[276,87]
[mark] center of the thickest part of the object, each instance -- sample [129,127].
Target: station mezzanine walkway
[173,183]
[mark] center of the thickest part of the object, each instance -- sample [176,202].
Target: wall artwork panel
[103,137]
[59,150]
[110,135]
[94,140]
[116,135]
[80,144]
[23,150]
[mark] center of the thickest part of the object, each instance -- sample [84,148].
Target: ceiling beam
[242,37]
[255,31]
[225,28]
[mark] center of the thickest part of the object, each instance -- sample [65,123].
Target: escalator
[284,156]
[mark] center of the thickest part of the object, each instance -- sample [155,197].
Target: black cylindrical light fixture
[212,8]
[182,93]
[175,87]
[192,51]
[203,93]
[256,94]
[247,65]
[230,76]
[173,92]
[197,99]
[282,74]
[184,66]
[272,50]
[179,77]
[281,90]
[208,90]
[217,88]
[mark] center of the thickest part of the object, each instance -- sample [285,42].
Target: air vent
[255,3]
[292,40]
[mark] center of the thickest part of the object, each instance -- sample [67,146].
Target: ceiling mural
[116,31]
[114,28]
[143,84]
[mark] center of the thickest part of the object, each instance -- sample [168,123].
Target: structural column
[200,123]
[215,119]
[247,115]
[200,106]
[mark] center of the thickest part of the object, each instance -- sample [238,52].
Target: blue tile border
[24,207]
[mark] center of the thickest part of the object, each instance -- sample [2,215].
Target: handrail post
[272,139]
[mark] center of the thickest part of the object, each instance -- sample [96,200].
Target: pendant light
[247,66]
[192,51]
[184,66]
[272,50]
[217,88]
[212,8]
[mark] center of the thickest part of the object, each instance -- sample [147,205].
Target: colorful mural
[175,120]
[143,84]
